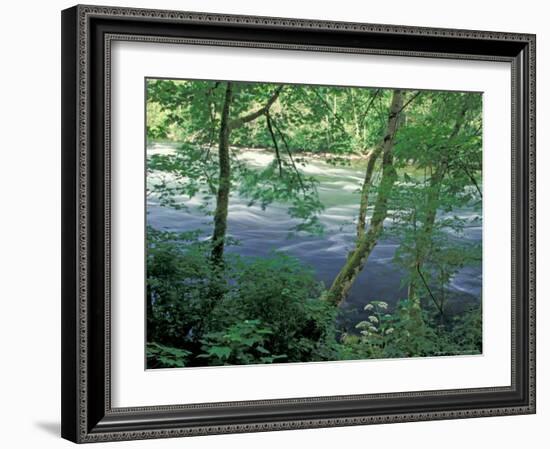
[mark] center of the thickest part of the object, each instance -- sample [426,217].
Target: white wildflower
[373,319]
[369,307]
[389,331]
[383,305]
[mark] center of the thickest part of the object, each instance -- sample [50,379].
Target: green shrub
[412,332]
[253,310]
[242,344]
[283,295]
[160,356]
[466,332]
[180,282]
[271,309]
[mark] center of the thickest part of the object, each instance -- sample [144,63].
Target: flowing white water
[262,231]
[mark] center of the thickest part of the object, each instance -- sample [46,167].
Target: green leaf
[223,352]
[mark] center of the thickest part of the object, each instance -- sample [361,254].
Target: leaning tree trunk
[362,220]
[358,257]
[224,182]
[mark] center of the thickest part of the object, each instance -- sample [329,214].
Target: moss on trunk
[224,182]
[358,257]
[362,220]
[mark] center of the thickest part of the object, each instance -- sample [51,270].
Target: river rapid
[260,232]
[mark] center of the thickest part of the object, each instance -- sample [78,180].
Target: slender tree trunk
[362,220]
[424,237]
[224,182]
[358,257]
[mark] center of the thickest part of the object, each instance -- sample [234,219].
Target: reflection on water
[263,231]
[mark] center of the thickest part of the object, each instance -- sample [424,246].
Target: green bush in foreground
[270,310]
[412,332]
[254,310]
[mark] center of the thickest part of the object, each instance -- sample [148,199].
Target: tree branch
[236,123]
[371,102]
[270,128]
[410,100]
[437,304]
[329,108]
[471,177]
[291,158]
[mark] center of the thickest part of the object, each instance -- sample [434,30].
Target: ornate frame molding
[84,419]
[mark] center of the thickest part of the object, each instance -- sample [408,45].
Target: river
[262,231]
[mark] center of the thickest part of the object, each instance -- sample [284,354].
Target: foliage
[272,311]
[253,311]
[297,191]
[242,343]
[160,356]
[244,310]
[411,332]
[284,295]
[179,176]
[180,281]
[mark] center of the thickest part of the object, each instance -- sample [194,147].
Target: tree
[420,157]
[449,155]
[170,94]
[340,122]
[366,242]
[224,184]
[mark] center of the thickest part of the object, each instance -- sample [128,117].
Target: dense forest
[250,184]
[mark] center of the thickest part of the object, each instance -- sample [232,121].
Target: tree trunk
[424,235]
[224,183]
[358,257]
[362,220]
[423,239]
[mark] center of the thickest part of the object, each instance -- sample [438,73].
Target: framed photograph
[277,224]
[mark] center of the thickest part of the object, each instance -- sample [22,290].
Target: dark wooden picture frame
[87,414]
